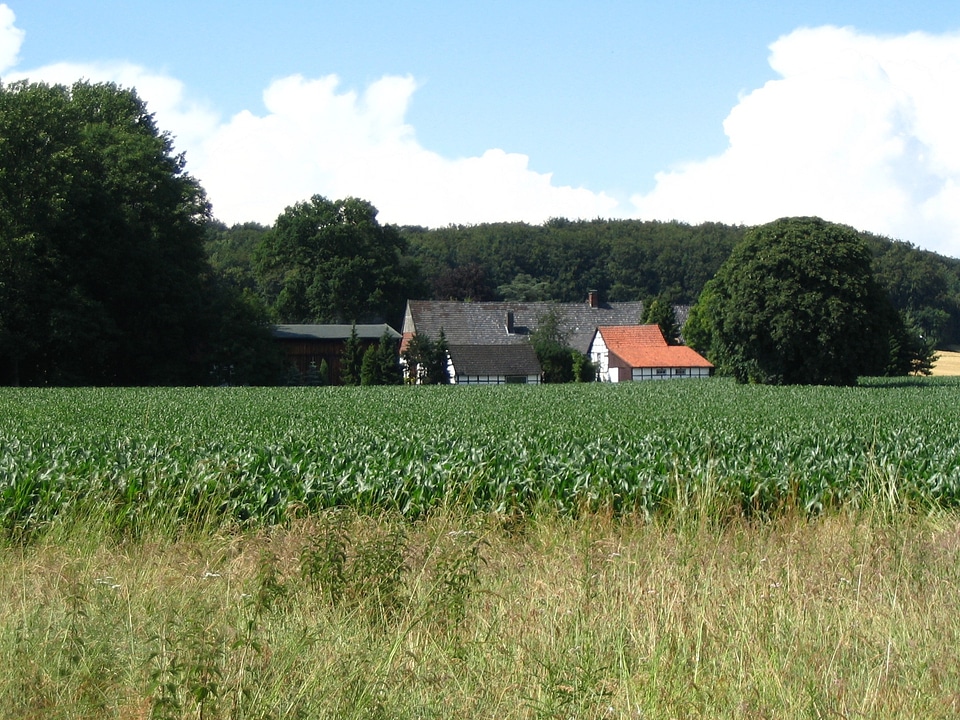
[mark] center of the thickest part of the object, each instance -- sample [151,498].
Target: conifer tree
[351,359]
[659,311]
[369,374]
[312,377]
[417,356]
[438,372]
[387,365]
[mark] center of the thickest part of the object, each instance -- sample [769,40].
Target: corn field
[145,457]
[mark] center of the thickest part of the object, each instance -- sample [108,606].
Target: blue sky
[445,112]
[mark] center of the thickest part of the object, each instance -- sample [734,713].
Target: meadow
[688,549]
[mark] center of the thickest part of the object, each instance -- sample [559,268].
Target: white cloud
[858,129]
[11,38]
[315,139]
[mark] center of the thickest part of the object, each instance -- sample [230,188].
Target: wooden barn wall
[302,352]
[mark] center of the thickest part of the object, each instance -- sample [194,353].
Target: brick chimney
[510,322]
[593,298]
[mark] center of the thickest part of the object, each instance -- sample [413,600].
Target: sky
[447,112]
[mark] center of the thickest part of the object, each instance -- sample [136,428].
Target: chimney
[593,298]
[510,322]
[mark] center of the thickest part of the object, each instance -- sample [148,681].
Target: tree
[912,353]
[920,284]
[331,261]
[368,367]
[583,368]
[388,367]
[438,372]
[796,303]
[550,343]
[698,330]
[230,251]
[659,311]
[102,269]
[427,361]
[351,360]
[466,282]
[238,344]
[524,288]
[417,356]
[312,377]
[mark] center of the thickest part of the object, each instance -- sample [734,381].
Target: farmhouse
[640,352]
[489,342]
[306,345]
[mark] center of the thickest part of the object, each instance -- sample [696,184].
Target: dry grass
[948,363]
[492,618]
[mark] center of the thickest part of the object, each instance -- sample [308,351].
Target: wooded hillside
[623,259]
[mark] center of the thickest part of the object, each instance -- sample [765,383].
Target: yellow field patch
[947,364]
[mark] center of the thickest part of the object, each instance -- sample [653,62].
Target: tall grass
[342,615]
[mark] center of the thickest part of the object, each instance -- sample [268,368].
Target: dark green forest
[113,270]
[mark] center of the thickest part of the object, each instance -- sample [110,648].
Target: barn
[310,345]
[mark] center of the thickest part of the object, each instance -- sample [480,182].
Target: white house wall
[600,356]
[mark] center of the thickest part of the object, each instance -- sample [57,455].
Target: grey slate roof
[485,323]
[494,359]
[331,332]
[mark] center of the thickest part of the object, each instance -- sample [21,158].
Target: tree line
[113,270]
[561,260]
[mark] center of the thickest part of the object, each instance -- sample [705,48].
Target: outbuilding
[623,353]
[494,364]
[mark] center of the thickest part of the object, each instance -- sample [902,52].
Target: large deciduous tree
[332,261]
[101,258]
[797,303]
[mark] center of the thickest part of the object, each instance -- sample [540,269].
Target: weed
[377,571]
[457,574]
[165,673]
[186,665]
[270,589]
[323,562]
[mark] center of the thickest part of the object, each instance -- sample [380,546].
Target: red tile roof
[643,346]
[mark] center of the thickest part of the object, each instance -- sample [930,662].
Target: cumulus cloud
[857,129]
[316,139]
[11,38]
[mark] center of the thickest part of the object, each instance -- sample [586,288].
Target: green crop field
[255,455]
[433,552]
